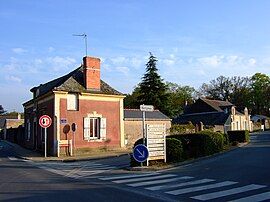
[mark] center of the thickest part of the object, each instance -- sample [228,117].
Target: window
[28,129]
[72,102]
[94,128]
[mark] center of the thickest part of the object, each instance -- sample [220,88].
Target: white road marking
[127,176]
[228,192]
[145,178]
[159,181]
[13,158]
[254,198]
[200,188]
[180,184]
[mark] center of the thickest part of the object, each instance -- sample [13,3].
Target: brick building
[79,97]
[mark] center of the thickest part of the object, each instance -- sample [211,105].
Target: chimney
[91,71]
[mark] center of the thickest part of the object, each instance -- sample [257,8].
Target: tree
[179,97]
[152,89]
[2,111]
[260,93]
[131,100]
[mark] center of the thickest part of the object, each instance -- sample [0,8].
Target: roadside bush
[238,136]
[203,143]
[174,150]
[182,129]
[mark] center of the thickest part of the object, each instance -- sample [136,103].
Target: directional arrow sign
[140,153]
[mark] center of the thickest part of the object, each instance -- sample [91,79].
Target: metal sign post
[45,121]
[145,108]
[73,128]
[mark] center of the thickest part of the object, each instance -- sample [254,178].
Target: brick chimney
[91,71]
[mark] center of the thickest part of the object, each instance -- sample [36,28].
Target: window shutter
[103,128]
[86,125]
[71,102]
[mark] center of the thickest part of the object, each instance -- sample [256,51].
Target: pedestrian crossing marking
[195,182]
[228,192]
[138,184]
[254,198]
[146,178]
[200,188]
[128,176]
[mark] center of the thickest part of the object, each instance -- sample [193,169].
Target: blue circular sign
[140,153]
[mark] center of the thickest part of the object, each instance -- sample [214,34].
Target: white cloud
[232,59]
[119,60]
[211,61]
[122,69]
[13,78]
[19,50]
[59,63]
[252,61]
[51,49]
[168,62]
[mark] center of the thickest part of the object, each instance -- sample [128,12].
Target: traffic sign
[45,121]
[140,153]
[147,108]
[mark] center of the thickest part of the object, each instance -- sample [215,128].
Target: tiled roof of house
[73,82]
[136,114]
[207,118]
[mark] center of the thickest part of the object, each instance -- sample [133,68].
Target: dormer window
[72,101]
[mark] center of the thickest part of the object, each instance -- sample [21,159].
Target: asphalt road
[242,174]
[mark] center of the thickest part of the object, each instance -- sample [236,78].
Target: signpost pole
[45,142]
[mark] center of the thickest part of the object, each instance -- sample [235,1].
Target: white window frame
[72,102]
[91,128]
[98,134]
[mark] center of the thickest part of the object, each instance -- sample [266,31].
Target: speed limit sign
[45,121]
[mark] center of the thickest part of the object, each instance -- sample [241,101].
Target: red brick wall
[92,72]
[109,110]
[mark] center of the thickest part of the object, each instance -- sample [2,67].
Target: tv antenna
[85,40]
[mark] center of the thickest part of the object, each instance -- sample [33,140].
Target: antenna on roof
[85,40]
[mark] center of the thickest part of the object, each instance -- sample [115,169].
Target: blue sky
[195,41]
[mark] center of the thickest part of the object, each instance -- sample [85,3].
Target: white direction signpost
[156,141]
[45,121]
[145,108]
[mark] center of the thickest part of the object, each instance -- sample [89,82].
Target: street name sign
[147,108]
[140,153]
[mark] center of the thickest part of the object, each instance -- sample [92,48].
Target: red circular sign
[45,121]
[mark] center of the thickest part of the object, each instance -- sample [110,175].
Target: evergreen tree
[152,89]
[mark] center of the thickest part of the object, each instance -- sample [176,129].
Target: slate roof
[218,105]
[210,118]
[256,118]
[136,114]
[73,82]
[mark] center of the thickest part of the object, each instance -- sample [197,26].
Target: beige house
[133,123]
[216,115]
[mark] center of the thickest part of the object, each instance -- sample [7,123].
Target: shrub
[174,150]
[202,143]
[238,135]
[182,129]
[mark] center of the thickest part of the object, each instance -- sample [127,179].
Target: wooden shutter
[103,128]
[86,125]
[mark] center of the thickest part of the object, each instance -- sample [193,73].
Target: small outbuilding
[133,123]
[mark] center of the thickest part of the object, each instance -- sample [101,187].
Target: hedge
[186,146]
[203,143]
[238,136]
